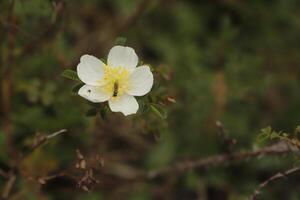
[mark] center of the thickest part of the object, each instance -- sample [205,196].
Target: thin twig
[98,38]
[8,186]
[44,180]
[46,35]
[180,167]
[56,134]
[134,17]
[42,140]
[227,141]
[13,174]
[273,178]
[6,81]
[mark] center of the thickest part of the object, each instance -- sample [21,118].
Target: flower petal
[120,56]
[93,94]
[90,70]
[126,104]
[140,81]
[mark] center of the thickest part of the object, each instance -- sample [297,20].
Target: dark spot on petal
[89,91]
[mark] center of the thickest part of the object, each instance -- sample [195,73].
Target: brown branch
[180,167]
[273,178]
[86,181]
[47,34]
[133,18]
[44,180]
[15,27]
[42,140]
[8,186]
[12,175]
[6,82]
[228,142]
[103,38]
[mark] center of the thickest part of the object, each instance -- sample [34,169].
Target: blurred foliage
[233,61]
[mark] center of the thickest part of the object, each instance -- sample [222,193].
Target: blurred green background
[229,60]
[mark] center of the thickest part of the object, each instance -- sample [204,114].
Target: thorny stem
[134,16]
[12,175]
[228,142]
[47,34]
[180,167]
[273,178]
[6,81]
[42,141]
[8,186]
[88,44]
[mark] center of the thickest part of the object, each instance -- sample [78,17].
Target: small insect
[116,88]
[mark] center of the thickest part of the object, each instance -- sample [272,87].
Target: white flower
[117,82]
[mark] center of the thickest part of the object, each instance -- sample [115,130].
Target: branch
[6,81]
[15,170]
[180,167]
[44,180]
[42,140]
[228,142]
[273,178]
[102,38]
[134,17]
[8,186]
[47,34]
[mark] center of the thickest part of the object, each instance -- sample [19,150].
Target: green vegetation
[237,62]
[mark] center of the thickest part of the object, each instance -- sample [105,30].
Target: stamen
[116,87]
[115,80]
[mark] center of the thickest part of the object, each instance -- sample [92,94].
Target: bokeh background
[229,60]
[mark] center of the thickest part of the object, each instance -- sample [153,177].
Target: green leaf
[103,60]
[265,134]
[76,88]
[158,110]
[103,113]
[143,107]
[262,137]
[274,135]
[91,112]
[267,130]
[285,135]
[70,74]
[95,105]
[120,41]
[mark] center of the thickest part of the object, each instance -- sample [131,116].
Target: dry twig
[134,17]
[228,142]
[180,167]
[8,186]
[42,140]
[273,178]
[47,34]
[12,175]
[104,37]
[6,81]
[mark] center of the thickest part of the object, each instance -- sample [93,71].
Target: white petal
[90,70]
[93,94]
[120,56]
[126,104]
[140,81]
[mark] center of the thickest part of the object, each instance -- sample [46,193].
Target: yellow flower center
[115,80]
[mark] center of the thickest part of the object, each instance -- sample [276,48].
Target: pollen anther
[115,80]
